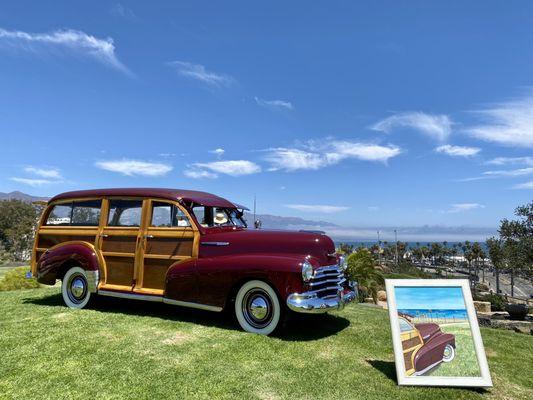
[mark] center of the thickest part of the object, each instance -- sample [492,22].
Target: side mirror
[257,224]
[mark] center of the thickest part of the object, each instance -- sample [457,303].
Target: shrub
[16,280]
[497,303]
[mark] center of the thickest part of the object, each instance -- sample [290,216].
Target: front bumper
[309,302]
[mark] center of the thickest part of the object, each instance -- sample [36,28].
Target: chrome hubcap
[447,352]
[257,308]
[77,288]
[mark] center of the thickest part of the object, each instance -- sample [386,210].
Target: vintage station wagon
[185,248]
[425,346]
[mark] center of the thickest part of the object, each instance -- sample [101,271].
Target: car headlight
[343,263]
[307,271]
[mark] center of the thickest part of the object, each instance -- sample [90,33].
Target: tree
[362,269]
[496,257]
[346,248]
[17,223]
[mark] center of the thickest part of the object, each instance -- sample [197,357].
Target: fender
[51,265]
[219,277]
[432,351]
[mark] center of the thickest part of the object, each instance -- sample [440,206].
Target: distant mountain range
[344,233]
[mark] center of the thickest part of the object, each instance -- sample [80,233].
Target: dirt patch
[177,339]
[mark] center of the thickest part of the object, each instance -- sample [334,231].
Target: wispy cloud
[458,151]
[508,173]
[277,104]
[33,182]
[511,161]
[462,207]
[52,173]
[508,123]
[218,152]
[134,167]
[525,185]
[438,127]
[317,208]
[315,155]
[120,10]
[230,167]
[102,50]
[200,73]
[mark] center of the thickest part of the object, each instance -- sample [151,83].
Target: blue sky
[362,114]
[433,298]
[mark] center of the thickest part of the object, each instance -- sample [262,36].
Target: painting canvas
[436,337]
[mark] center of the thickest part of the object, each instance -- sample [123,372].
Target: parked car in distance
[425,346]
[186,248]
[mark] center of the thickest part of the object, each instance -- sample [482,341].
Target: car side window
[405,326]
[60,215]
[125,213]
[86,213]
[168,215]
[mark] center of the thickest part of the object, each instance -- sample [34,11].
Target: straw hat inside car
[220,218]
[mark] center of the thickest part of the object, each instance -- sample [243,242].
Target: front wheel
[257,308]
[75,288]
[449,353]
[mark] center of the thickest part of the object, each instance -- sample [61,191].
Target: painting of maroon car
[186,248]
[424,346]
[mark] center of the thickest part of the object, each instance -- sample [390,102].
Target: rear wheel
[75,288]
[448,354]
[257,308]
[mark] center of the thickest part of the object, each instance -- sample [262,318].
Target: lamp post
[379,250]
[396,240]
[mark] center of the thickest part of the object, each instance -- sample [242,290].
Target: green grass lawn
[5,270]
[121,349]
[465,361]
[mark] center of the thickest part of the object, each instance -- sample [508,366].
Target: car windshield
[218,217]
[405,326]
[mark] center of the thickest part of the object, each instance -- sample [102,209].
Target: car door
[169,238]
[119,242]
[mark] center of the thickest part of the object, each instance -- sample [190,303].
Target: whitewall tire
[448,354]
[75,288]
[257,308]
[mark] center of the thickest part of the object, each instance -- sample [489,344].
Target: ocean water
[428,313]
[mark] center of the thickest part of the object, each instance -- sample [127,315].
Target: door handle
[149,236]
[104,235]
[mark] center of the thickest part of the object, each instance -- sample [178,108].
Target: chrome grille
[327,281]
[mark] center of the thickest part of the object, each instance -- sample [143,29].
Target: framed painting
[435,333]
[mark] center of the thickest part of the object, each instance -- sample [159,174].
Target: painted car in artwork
[424,346]
[185,248]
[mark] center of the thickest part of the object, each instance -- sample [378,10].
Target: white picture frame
[484,380]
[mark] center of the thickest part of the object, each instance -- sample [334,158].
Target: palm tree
[362,269]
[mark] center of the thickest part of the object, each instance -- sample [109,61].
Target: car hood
[320,248]
[427,330]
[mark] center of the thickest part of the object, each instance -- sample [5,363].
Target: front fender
[51,264]
[219,276]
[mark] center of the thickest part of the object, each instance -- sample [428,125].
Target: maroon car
[424,346]
[185,248]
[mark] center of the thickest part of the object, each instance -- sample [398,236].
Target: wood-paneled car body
[186,248]
[424,345]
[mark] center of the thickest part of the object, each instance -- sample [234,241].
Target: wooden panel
[407,360]
[409,343]
[38,255]
[119,244]
[169,246]
[155,272]
[49,240]
[119,270]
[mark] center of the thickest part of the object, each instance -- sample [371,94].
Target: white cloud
[315,156]
[79,42]
[458,151]
[321,209]
[438,127]
[119,10]
[525,185]
[33,182]
[509,123]
[45,173]
[199,174]
[134,167]
[232,167]
[461,207]
[200,73]
[219,152]
[510,160]
[274,103]
[511,172]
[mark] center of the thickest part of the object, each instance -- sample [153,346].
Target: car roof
[187,196]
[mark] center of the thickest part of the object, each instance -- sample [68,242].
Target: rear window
[78,213]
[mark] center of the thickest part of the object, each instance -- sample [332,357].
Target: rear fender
[56,260]
[432,351]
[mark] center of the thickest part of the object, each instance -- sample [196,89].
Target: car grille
[327,281]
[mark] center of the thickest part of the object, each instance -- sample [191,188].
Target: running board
[158,299]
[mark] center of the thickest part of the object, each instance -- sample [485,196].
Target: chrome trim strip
[309,303]
[93,278]
[159,299]
[214,243]
[417,373]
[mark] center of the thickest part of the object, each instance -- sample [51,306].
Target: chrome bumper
[309,302]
